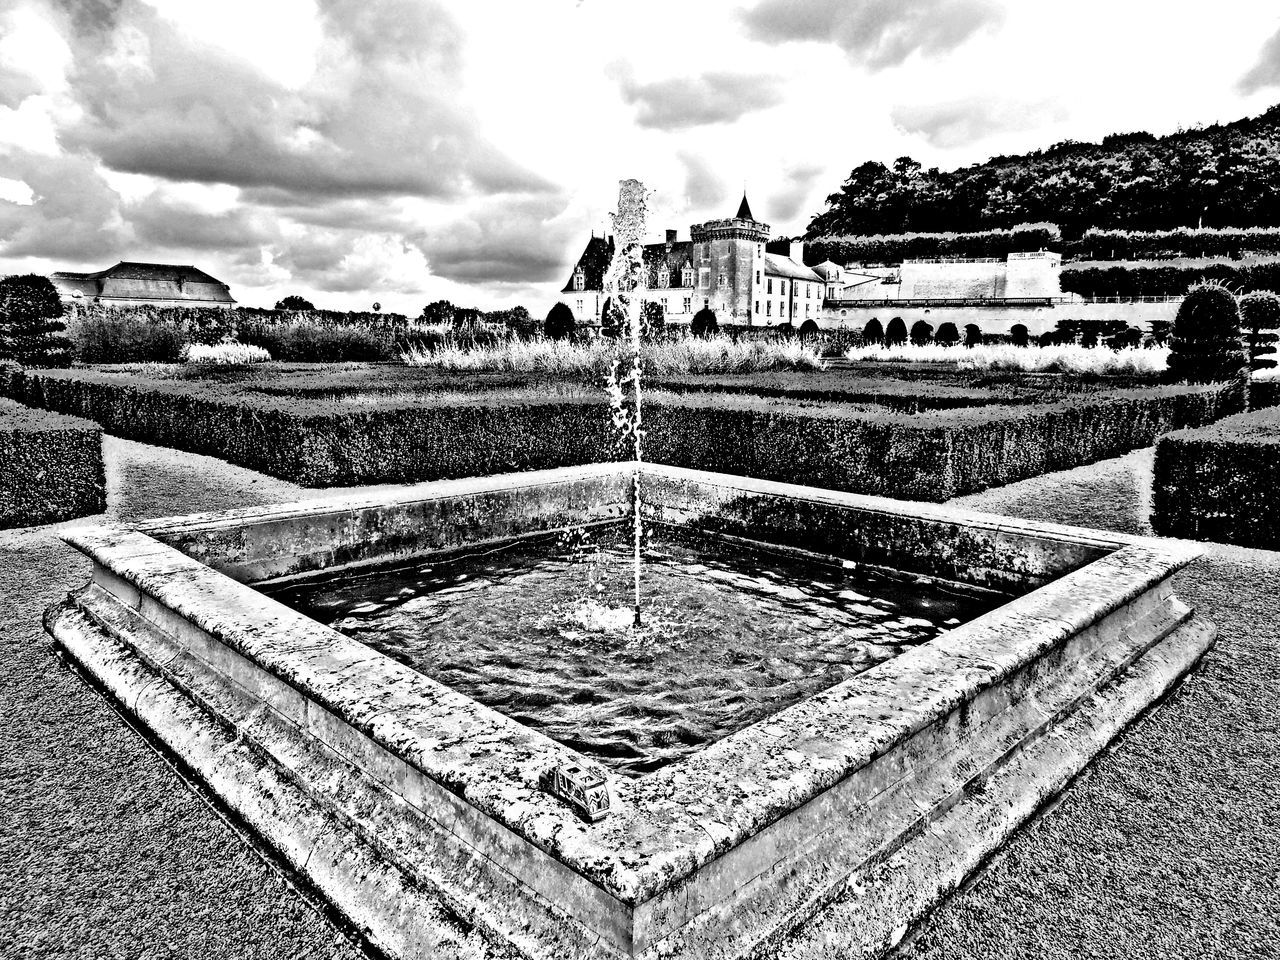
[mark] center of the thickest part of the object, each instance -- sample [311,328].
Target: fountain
[938,675]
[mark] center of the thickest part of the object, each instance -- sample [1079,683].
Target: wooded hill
[1224,175]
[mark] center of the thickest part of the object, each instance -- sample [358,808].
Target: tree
[439,312]
[921,333]
[704,323]
[1260,316]
[896,332]
[560,323]
[1020,335]
[809,328]
[613,322]
[1205,345]
[31,327]
[972,335]
[947,334]
[518,320]
[295,302]
[873,332]
[653,320]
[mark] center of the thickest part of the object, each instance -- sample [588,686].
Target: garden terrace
[50,467]
[365,438]
[1221,482]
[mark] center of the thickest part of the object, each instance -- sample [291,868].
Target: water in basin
[541,631]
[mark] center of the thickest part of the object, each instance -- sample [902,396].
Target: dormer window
[664,278]
[579,280]
[686,277]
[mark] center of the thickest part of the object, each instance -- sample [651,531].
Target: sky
[404,151]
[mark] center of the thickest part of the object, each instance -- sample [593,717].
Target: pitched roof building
[722,267]
[158,284]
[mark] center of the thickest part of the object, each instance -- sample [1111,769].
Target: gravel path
[1167,848]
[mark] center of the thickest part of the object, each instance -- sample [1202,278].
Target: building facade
[131,284]
[723,267]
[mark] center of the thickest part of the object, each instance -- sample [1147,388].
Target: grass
[1069,358]
[225,353]
[594,358]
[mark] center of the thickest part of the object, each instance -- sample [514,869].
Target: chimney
[796,251]
[671,237]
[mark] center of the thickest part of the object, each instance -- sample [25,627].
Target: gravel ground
[1165,849]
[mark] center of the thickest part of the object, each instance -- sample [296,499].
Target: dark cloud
[158,222]
[786,203]
[702,188]
[1266,72]
[381,117]
[75,215]
[959,123]
[875,33]
[680,102]
[514,241]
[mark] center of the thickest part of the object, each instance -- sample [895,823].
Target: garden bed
[1221,482]
[405,437]
[50,467]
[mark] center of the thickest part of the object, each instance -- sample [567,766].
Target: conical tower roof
[744,209]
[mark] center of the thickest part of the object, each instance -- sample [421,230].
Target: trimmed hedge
[929,456]
[896,247]
[1233,242]
[1221,482]
[1264,393]
[1167,280]
[50,467]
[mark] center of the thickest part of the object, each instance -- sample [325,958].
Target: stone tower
[728,261]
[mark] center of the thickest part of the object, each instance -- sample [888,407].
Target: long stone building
[723,266]
[158,284]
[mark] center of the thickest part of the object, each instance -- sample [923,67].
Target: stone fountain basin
[828,828]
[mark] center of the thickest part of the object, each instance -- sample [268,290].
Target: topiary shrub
[1020,335]
[810,328]
[873,332]
[947,334]
[1260,317]
[1205,344]
[31,327]
[972,335]
[560,323]
[704,323]
[653,320]
[896,332]
[921,333]
[613,322]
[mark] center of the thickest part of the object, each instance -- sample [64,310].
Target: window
[806,309]
[664,278]
[807,292]
[686,277]
[757,278]
[579,280]
[784,286]
[688,304]
[757,306]
[722,282]
[579,308]
[769,286]
[704,278]
[768,308]
[706,302]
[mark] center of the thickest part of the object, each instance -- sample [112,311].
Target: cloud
[784,204]
[160,223]
[958,123]
[681,102]
[504,241]
[382,115]
[875,33]
[75,214]
[1266,72]
[702,188]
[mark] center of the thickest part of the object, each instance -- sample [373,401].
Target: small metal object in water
[584,790]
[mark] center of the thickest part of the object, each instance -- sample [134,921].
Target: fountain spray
[625,283]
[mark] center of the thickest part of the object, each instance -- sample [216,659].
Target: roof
[594,263]
[828,270]
[134,270]
[598,253]
[780,266]
[744,209]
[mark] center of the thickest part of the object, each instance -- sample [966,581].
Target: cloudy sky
[406,150]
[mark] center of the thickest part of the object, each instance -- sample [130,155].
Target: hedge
[50,467]
[1264,393]
[1221,482]
[893,248]
[933,455]
[1233,242]
[1167,280]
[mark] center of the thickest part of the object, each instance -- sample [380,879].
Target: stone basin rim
[656,838]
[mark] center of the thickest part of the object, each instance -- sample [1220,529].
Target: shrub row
[1221,482]
[50,467]
[896,247]
[1167,280]
[929,456]
[1264,393]
[1231,242]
